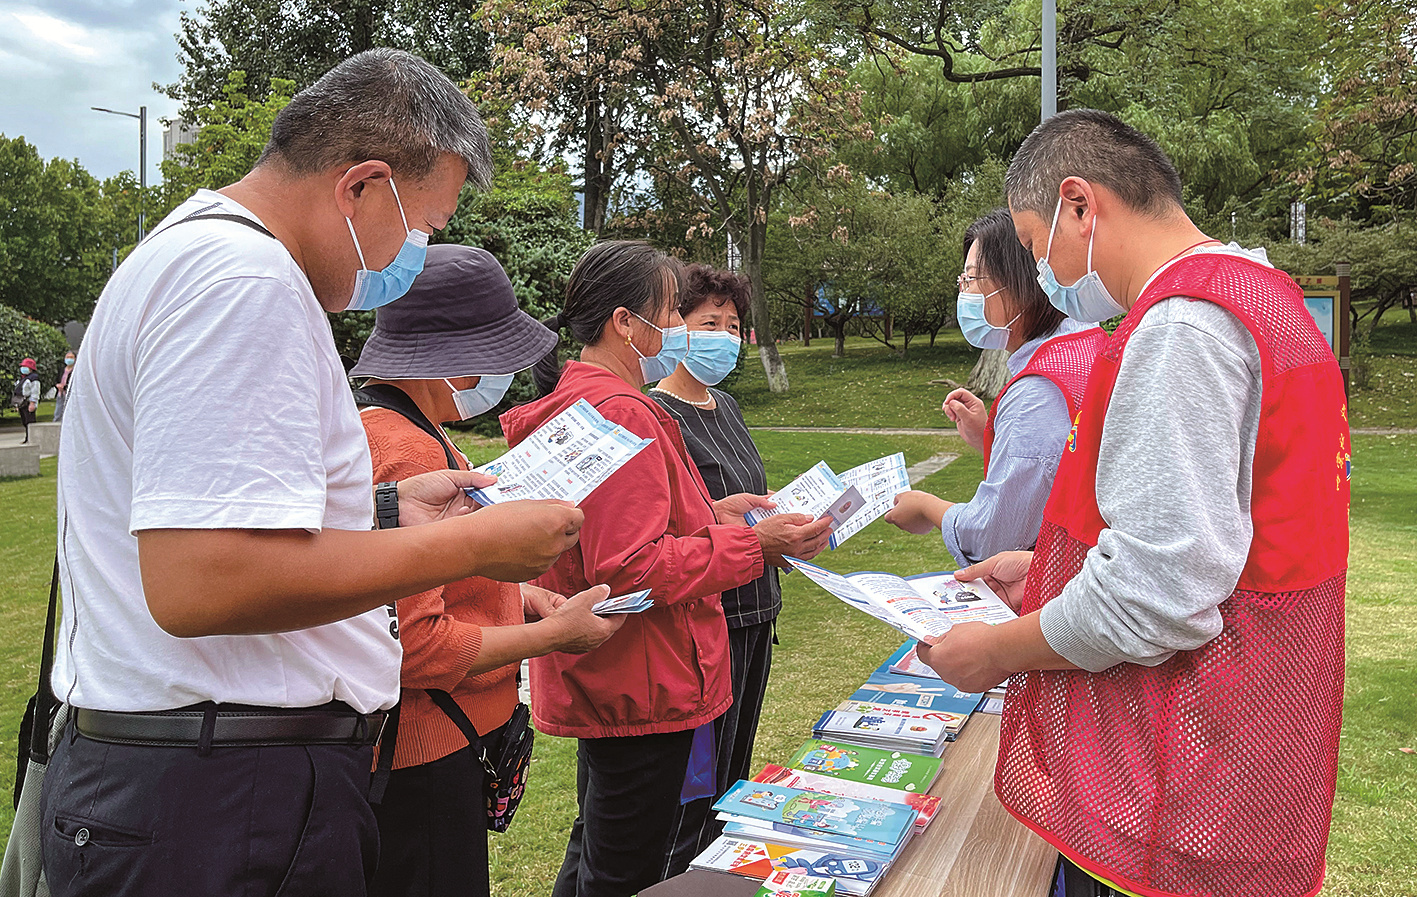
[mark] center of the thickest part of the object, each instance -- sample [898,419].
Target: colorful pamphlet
[856,876]
[633,603]
[891,727]
[912,665]
[924,805]
[879,482]
[827,816]
[565,458]
[922,607]
[926,693]
[816,493]
[903,771]
[795,884]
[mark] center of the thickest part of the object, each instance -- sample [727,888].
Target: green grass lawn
[827,650]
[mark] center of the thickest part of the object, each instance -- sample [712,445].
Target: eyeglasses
[965,279]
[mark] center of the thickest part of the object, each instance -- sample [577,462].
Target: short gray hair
[381,104]
[1100,148]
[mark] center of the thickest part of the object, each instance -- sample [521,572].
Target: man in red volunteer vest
[1173,714]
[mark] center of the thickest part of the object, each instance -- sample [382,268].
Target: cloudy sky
[59,57]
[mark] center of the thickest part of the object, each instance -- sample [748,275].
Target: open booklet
[923,606]
[565,458]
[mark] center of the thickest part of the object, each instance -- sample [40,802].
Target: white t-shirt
[208,396]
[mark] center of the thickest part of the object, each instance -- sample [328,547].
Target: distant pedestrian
[25,396]
[61,389]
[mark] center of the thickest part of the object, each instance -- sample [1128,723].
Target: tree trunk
[596,173]
[839,327]
[762,318]
[809,303]
[990,373]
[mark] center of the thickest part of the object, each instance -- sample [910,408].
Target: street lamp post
[142,117]
[1050,59]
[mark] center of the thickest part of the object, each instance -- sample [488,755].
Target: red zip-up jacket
[651,525]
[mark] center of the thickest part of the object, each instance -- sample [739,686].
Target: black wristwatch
[386,505]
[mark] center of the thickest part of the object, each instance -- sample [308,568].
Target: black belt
[247,726]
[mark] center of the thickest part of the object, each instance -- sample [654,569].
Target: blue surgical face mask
[978,332]
[1087,300]
[712,355]
[481,398]
[672,349]
[375,288]
[24,369]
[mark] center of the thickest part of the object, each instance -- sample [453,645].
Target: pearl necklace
[704,404]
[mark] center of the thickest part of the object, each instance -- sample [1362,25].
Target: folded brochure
[565,458]
[633,603]
[879,482]
[782,883]
[900,770]
[922,607]
[818,492]
[924,805]
[876,825]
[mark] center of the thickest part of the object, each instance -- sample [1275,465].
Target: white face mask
[1087,299]
[481,398]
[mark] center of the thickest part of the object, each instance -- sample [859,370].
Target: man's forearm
[228,582]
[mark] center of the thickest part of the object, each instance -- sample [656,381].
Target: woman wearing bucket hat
[447,351]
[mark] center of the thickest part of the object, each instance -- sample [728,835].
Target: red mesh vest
[1212,773]
[1064,360]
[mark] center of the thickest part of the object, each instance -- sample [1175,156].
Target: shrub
[23,337]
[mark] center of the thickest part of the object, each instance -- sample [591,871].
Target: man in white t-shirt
[228,640]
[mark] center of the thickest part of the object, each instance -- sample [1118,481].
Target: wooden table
[974,848]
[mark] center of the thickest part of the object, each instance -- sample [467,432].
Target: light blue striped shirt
[1030,429]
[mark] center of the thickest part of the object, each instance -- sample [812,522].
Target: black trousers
[285,821]
[627,790]
[433,829]
[750,650]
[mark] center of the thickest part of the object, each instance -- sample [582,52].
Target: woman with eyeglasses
[1023,435]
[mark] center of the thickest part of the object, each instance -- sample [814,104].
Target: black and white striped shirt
[718,441]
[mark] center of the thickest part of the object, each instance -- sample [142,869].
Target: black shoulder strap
[44,700]
[382,395]
[224,216]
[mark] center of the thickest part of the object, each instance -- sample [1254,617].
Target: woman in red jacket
[635,703]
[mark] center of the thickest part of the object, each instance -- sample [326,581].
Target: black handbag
[506,764]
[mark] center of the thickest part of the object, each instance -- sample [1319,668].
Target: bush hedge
[23,337]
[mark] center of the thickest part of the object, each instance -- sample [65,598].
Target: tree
[23,337]
[870,253]
[52,246]
[1363,153]
[300,40]
[233,130]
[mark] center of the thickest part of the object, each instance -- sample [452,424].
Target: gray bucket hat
[459,319]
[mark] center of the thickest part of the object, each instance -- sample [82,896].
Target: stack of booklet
[862,828]
[891,726]
[846,804]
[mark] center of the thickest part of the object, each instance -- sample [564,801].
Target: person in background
[447,352]
[26,394]
[1022,435]
[225,643]
[713,305]
[642,705]
[61,389]
[1176,677]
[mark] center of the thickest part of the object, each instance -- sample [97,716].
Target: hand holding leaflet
[565,458]
[923,607]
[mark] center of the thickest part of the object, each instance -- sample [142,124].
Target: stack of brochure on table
[846,804]
[863,829]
